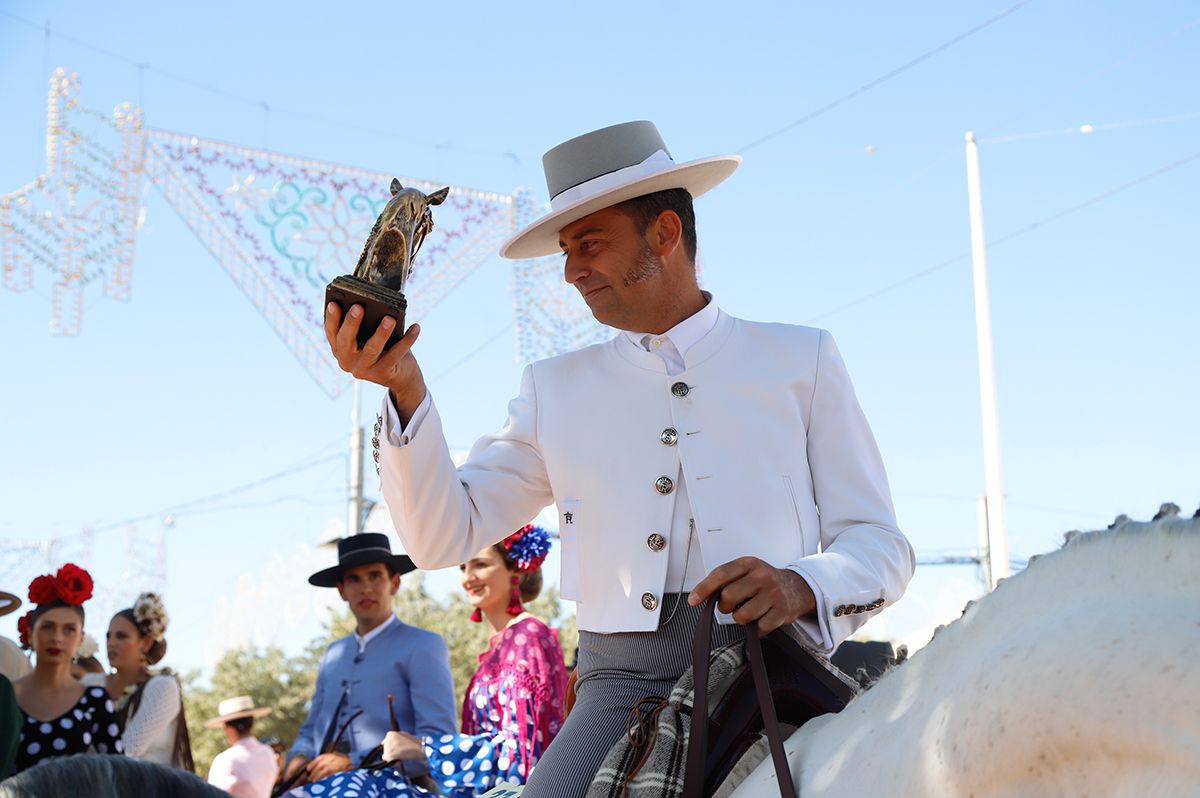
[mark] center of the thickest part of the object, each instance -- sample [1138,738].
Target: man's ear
[666,234]
[341,591]
[395,588]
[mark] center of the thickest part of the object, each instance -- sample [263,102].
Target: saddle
[794,682]
[678,748]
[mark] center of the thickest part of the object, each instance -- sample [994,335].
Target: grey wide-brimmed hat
[605,167]
[362,549]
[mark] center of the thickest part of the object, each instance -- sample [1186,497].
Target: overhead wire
[1089,129]
[1025,230]
[884,78]
[143,67]
[465,358]
[190,507]
[943,154]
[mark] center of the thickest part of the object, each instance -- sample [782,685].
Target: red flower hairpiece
[71,585]
[74,584]
[43,590]
[23,630]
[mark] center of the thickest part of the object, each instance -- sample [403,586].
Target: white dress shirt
[684,571]
[246,769]
[374,633]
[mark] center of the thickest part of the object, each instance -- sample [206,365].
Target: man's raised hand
[396,369]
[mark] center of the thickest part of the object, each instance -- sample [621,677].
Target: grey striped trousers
[615,671]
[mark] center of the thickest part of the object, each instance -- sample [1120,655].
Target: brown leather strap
[697,752]
[693,779]
[758,667]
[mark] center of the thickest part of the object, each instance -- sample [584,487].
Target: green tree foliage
[270,677]
[285,683]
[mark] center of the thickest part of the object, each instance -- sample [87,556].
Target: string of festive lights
[282,226]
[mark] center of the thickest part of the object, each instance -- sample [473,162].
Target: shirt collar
[686,333]
[363,640]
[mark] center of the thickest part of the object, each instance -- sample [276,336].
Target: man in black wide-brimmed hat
[384,656]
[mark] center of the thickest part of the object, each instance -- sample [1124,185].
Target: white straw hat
[606,167]
[241,706]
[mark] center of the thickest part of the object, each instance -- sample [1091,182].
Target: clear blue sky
[184,392]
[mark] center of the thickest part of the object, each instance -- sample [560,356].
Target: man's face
[614,268]
[368,589]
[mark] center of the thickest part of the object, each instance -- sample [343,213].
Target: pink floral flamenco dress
[512,710]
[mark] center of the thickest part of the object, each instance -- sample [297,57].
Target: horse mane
[1076,675]
[1122,530]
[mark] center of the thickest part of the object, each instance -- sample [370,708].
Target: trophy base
[376,302]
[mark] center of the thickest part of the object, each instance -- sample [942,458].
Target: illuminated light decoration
[76,223]
[281,226]
[551,316]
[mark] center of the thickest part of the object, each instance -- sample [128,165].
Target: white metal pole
[354,511]
[997,530]
[984,558]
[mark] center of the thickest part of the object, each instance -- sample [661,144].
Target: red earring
[477,616]
[514,598]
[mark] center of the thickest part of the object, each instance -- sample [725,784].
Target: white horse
[1078,677]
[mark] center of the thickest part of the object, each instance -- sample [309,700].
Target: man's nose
[573,270]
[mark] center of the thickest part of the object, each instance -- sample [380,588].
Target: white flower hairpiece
[151,615]
[87,648]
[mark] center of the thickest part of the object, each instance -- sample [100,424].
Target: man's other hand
[294,764]
[753,591]
[402,746]
[327,765]
[396,369]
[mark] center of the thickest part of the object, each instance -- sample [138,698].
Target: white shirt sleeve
[160,705]
[397,434]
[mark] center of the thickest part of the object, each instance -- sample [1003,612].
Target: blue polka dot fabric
[511,712]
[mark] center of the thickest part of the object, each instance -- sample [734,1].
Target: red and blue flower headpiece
[527,547]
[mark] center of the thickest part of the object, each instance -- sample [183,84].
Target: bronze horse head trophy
[386,262]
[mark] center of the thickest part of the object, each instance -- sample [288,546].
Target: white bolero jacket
[763,425]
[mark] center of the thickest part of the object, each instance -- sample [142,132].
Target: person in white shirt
[247,768]
[151,703]
[693,453]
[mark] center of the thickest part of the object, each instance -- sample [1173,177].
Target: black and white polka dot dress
[90,725]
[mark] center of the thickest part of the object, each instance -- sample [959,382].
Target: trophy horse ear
[437,197]
[396,187]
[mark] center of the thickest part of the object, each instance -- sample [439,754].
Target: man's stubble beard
[644,267]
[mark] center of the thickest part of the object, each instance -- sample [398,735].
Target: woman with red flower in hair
[60,715]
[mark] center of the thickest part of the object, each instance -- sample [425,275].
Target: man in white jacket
[695,452]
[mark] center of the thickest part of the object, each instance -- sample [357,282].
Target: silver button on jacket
[649,601]
[669,436]
[664,485]
[656,542]
[680,389]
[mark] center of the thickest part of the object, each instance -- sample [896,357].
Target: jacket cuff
[814,627]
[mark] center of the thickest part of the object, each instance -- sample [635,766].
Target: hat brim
[541,237]
[257,712]
[400,563]
[8,603]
